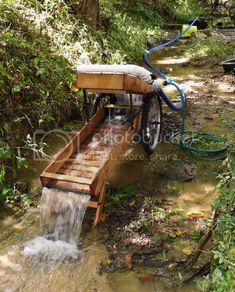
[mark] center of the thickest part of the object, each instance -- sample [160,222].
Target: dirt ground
[148,234]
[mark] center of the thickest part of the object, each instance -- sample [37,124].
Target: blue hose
[179,106]
[187,139]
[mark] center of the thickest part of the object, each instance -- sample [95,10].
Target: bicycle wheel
[151,123]
[102,100]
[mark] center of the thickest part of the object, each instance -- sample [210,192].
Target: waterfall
[61,214]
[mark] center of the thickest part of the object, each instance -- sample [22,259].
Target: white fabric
[133,70]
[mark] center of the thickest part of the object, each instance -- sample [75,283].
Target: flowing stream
[64,259]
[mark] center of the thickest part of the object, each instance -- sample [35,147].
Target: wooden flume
[84,165]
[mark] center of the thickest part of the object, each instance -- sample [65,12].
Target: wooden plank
[101,81]
[136,85]
[101,199]
[85,162]
[81,156]
[108,91]
[76,172]
[93,204]
[112,83]
[71,166]
[69,186]
[64,155]
[120,106]
[93,151]
[68,178]
[87,146]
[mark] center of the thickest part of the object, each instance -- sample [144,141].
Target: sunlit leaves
[5,153]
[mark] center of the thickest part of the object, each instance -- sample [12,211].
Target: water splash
[62,214]
[42,250]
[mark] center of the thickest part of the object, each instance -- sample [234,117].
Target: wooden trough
[86,161]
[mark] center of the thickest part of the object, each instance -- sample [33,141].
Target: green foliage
[223,271]
[187,10]
[204,48]
[6,193]
[116,199]
[130,29]
[196,236]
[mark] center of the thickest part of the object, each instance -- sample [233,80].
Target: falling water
[62,214]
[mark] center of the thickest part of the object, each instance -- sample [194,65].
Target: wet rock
[180,171]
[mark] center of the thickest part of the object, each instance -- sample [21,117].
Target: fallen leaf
[179,232]
[195,215]
[148,277]
[172,266]
[18,227]
[187,251]
[132,203]
[128,261]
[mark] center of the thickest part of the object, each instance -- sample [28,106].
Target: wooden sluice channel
[84,165]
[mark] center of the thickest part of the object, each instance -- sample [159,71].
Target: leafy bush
[186,10]
[222,277]
[129,29]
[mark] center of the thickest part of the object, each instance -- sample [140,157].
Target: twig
[204,270]
[206,238]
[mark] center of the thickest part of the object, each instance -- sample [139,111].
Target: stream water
[29,262]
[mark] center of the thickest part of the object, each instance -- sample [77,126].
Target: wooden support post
[101,199]
[131,101]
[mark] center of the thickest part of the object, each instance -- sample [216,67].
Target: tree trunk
[90,10]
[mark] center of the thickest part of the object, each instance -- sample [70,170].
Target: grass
[208,48]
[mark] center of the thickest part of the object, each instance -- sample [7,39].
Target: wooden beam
[93,204]
[119,106]
[63,177]
[68,186]
[100,205]
[112,83]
